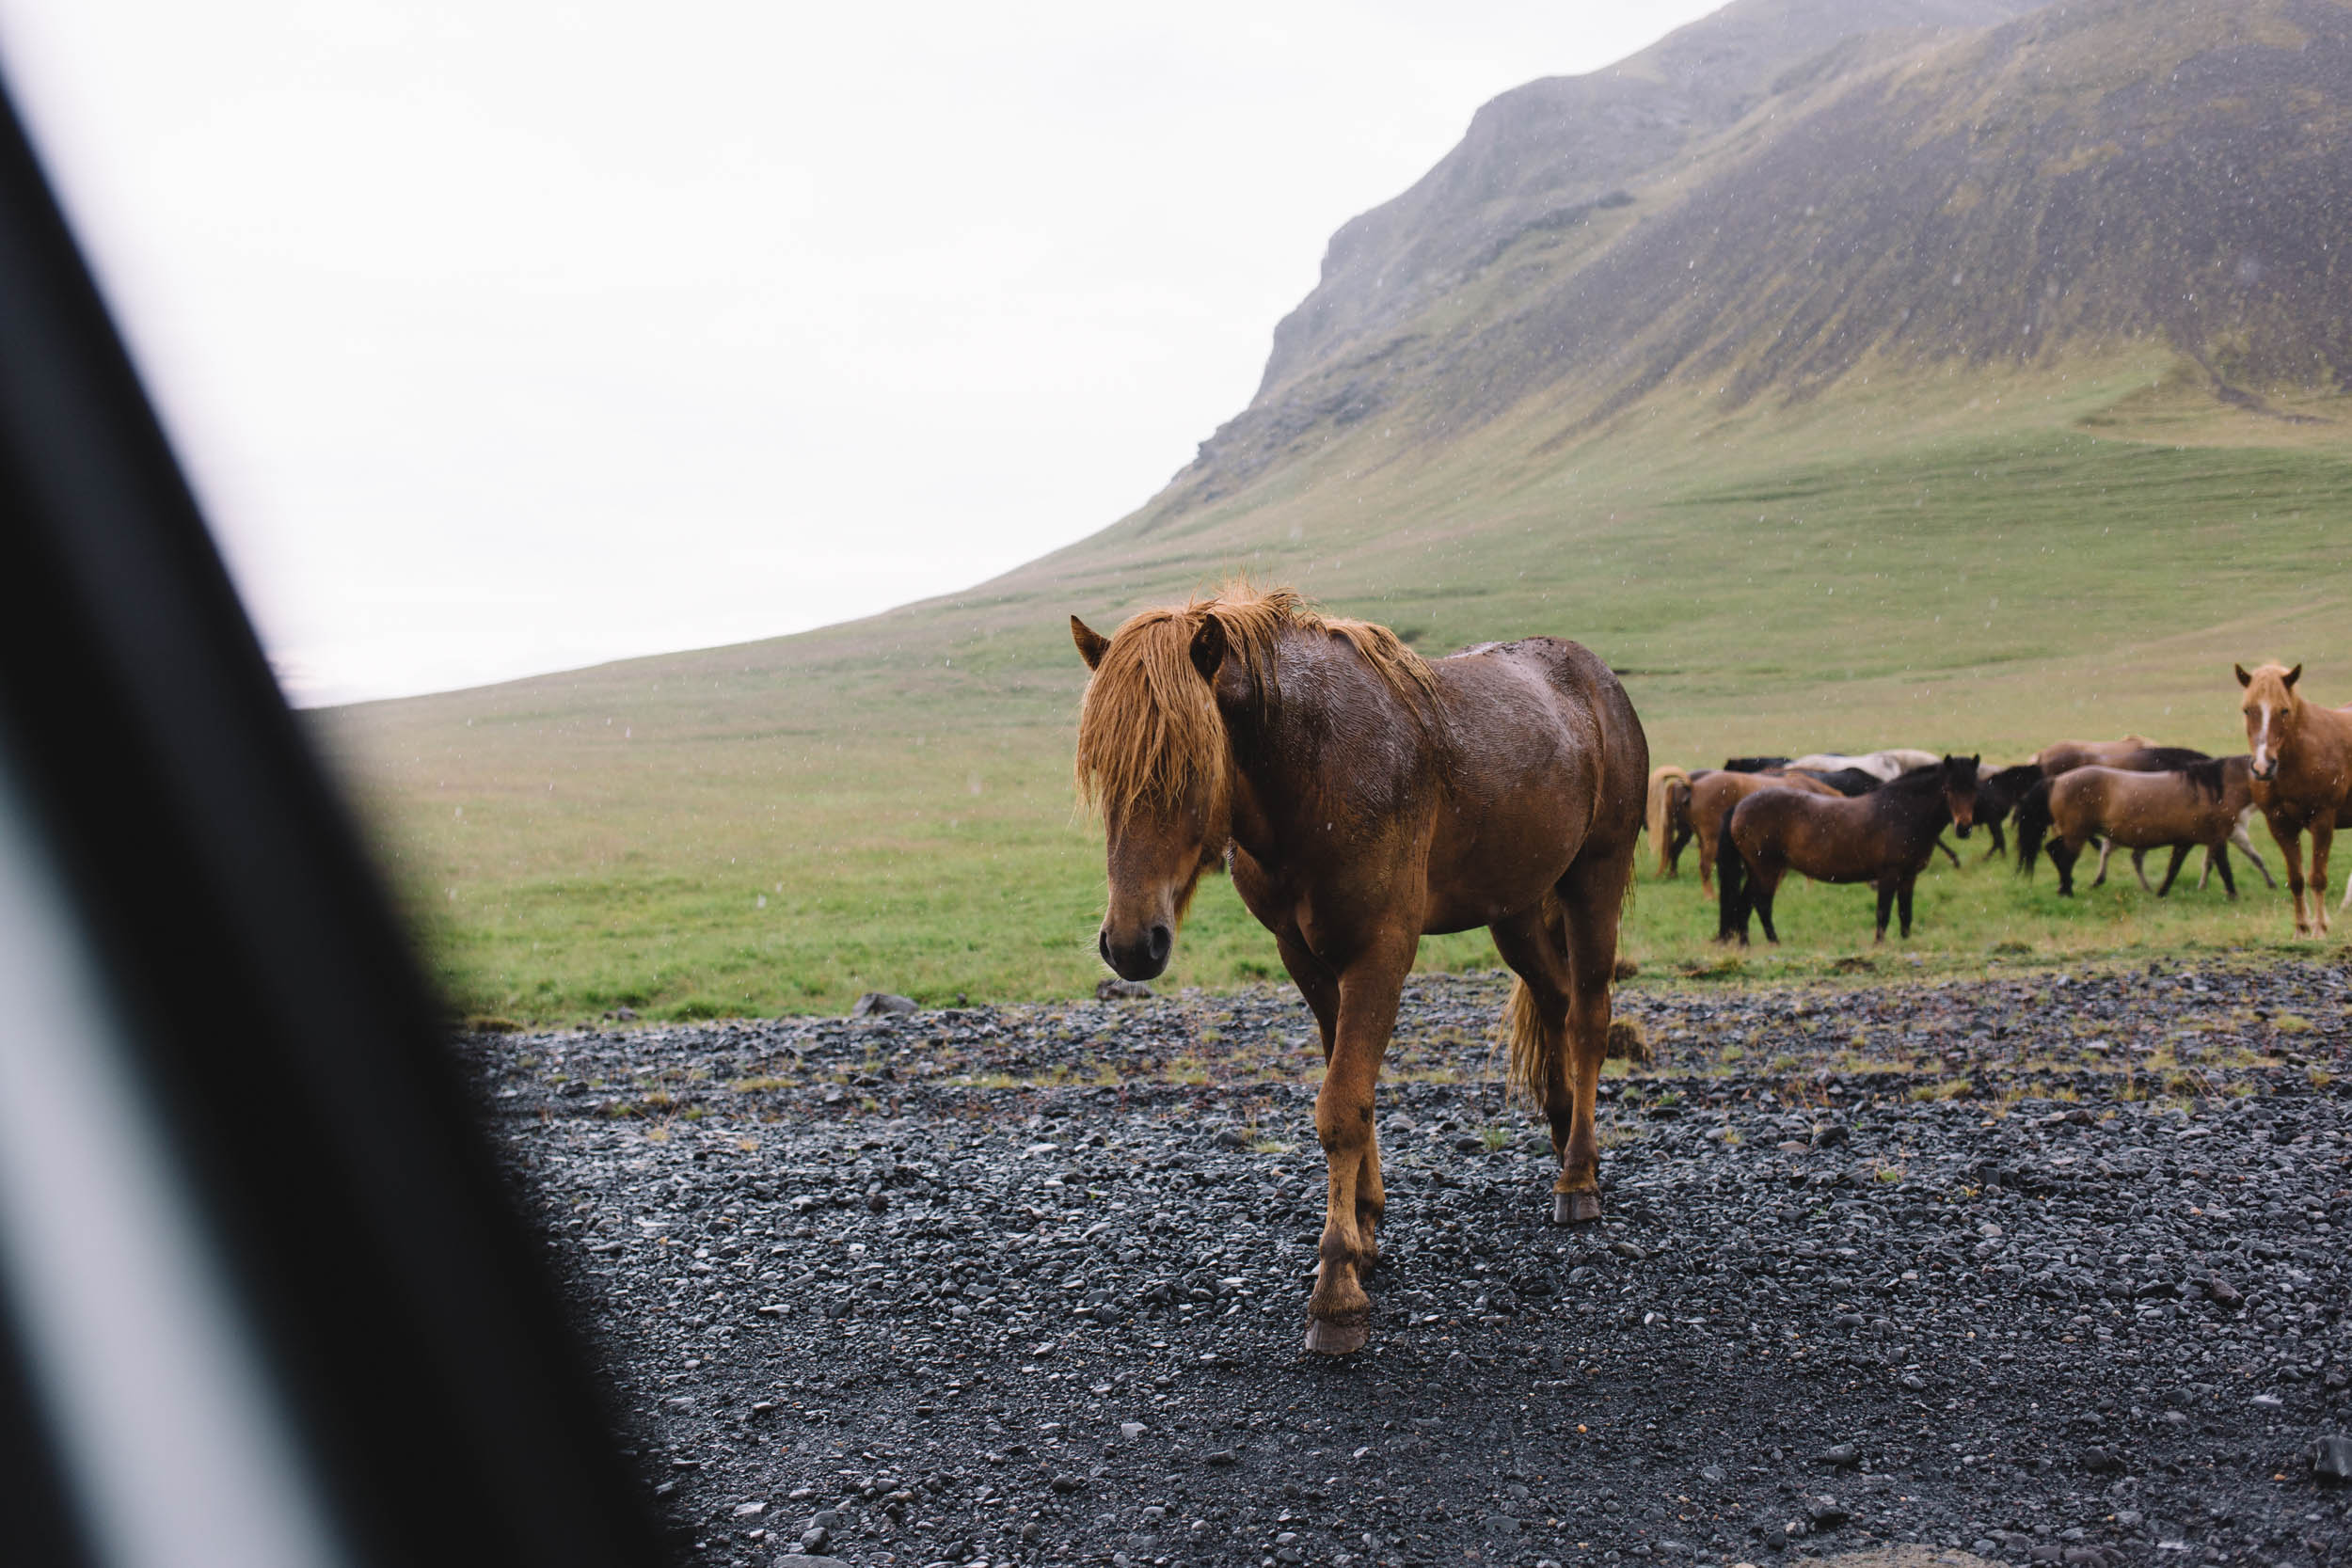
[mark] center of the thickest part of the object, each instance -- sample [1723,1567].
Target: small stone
[1829,1135]
[750,1511]
[1628,1250]
[1840,1454]
[1826,1514]
[1066,1483]
[2223,1294]
[1131,1430]
[1112,989]
[815,1539]
[2332,1459]
[1218,1458]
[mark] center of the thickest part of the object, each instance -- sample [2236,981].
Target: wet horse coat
[1368,797]
[2302,758]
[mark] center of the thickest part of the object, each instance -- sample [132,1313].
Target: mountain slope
[2086,177]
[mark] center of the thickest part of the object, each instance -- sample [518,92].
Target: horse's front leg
[1339,1312]
[2291,850]
[2180,858]
[1887,907]
[1903,905]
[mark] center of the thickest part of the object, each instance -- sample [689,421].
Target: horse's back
[1570,704]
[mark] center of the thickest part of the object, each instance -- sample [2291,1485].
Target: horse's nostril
[1162,939]
[1103,945]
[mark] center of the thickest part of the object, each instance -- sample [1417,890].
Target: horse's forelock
[1148,729]
[1149,732]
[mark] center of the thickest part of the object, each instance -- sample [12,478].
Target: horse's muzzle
[1137,960]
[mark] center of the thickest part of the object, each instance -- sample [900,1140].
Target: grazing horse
[1886,837]
[1668,814]
[1712,797]
[2303,777]
[2179,809]
[1885,767]
[1364,797]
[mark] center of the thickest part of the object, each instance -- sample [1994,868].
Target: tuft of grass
[1493,1137]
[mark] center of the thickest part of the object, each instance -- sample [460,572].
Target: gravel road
[2044,1267]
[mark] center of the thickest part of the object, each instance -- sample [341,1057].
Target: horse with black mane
[1365,798]
[1886,837]
[2178,809]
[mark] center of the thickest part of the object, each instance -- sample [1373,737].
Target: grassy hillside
[1978,561]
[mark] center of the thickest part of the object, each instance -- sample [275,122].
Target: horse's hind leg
[2245,842]
[2220,853]
[1886,907]
[1767,884]
[2139,869]
[1536,948]
[2106,849]
[1903,905]
[2064,855]
[1339,1313]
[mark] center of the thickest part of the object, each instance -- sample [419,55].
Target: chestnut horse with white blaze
[1366,797]
[2302,759]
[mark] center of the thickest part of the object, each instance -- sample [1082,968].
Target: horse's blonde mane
[1148,731]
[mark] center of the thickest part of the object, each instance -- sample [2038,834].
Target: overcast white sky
[509,335]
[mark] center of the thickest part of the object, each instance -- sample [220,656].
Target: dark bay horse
[1367,797]
[1886,837]
[2303,777]
[2178,809]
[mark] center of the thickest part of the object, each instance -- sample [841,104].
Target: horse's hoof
[1337,1335]
[1575,1207]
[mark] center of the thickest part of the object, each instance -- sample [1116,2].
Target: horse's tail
[1667,783]
[2033,823]
[1532,1046]
[1731,883]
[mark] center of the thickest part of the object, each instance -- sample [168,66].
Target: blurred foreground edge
[264,1300]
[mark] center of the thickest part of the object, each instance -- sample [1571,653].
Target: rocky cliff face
[1784,192]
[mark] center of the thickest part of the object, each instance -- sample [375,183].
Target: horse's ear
[2243,678]
[1208,648]
[2293,676]
[1090,643]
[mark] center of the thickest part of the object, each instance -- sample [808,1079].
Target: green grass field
[1981,566]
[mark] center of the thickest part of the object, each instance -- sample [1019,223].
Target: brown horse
[2180,810]
[2303,777]
[2067,756]
[1714,795]
[1886,837]
[1667,818]
[1366,797]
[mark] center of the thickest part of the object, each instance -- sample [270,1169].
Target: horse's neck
[1317,738]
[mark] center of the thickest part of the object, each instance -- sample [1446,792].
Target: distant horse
[2179,809]
[1884,837]
[2303,777]
[1755,764]
[1364,798]
[2066,755]
[2138,754]
[1997,794]
[1846,781]
[1712,797]
[1667,816]
[1883,766]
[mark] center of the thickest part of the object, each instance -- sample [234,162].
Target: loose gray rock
[882,1003]
[1112,989]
